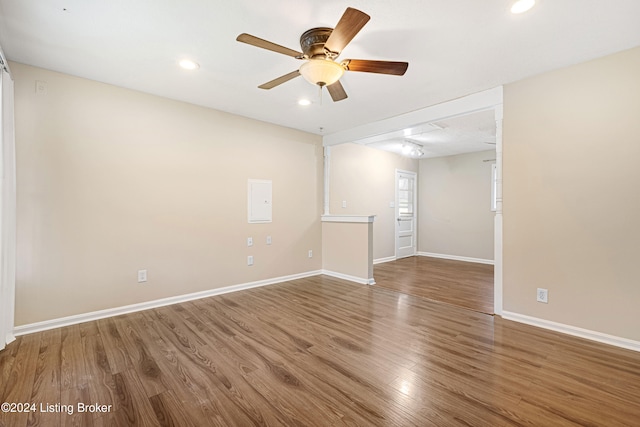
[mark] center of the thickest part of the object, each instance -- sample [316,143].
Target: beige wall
[572,195]
[347,249]
[365,178]
[111,181]
[454,200]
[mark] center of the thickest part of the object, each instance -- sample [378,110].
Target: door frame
[397,212]
[7,206]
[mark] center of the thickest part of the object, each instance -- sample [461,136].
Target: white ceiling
[462,134]
[454,48]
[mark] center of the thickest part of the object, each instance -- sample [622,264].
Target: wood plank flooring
[317,352]
[464,284]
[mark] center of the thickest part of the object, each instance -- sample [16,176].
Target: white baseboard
[348,277]
[573,330]
[381,260]
[8,339]
[457,258]
[110,312]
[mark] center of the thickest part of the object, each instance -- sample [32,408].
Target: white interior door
[406,197]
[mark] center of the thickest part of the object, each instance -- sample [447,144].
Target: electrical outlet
[249,241]
[268,240]
[250,260]
[142,276]
[542,295]
[310,253]
[344,203]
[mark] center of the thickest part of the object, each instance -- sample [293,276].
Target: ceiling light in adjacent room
[522,6]
[188,64]
[304,102]
[412,149]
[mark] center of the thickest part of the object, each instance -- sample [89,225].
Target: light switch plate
[142,276]
[542,295]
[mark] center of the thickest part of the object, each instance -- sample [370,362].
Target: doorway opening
[424,129]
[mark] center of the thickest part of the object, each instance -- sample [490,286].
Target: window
[405,196]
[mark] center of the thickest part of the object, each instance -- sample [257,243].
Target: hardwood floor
[460,283]
[317,352]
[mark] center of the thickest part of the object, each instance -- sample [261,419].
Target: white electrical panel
[260,201]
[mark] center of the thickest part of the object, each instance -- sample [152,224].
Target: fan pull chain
[320,94]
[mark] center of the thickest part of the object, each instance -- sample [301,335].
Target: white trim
[348,277]
[382,260]
[494,179]
[348,218]
[497,221]
[5,64]
[10,337]
[457,258]
[110,312]
[497,266]
[573,330]
[7,209]
[327,179]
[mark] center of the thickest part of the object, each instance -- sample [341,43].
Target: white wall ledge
[348,218]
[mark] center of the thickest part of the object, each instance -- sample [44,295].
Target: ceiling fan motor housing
[312,41]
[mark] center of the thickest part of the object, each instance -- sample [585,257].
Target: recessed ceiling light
[188,64]
[304,102]
[522,6]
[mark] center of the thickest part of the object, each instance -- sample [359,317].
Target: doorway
[407,125]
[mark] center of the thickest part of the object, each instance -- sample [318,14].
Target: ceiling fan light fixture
[321,72]
[522,6]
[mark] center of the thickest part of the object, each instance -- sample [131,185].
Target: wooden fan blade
[264,44]
[337,91]
[282,79]
[381,67]
[349,25]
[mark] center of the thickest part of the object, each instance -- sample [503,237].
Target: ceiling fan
[320,48]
